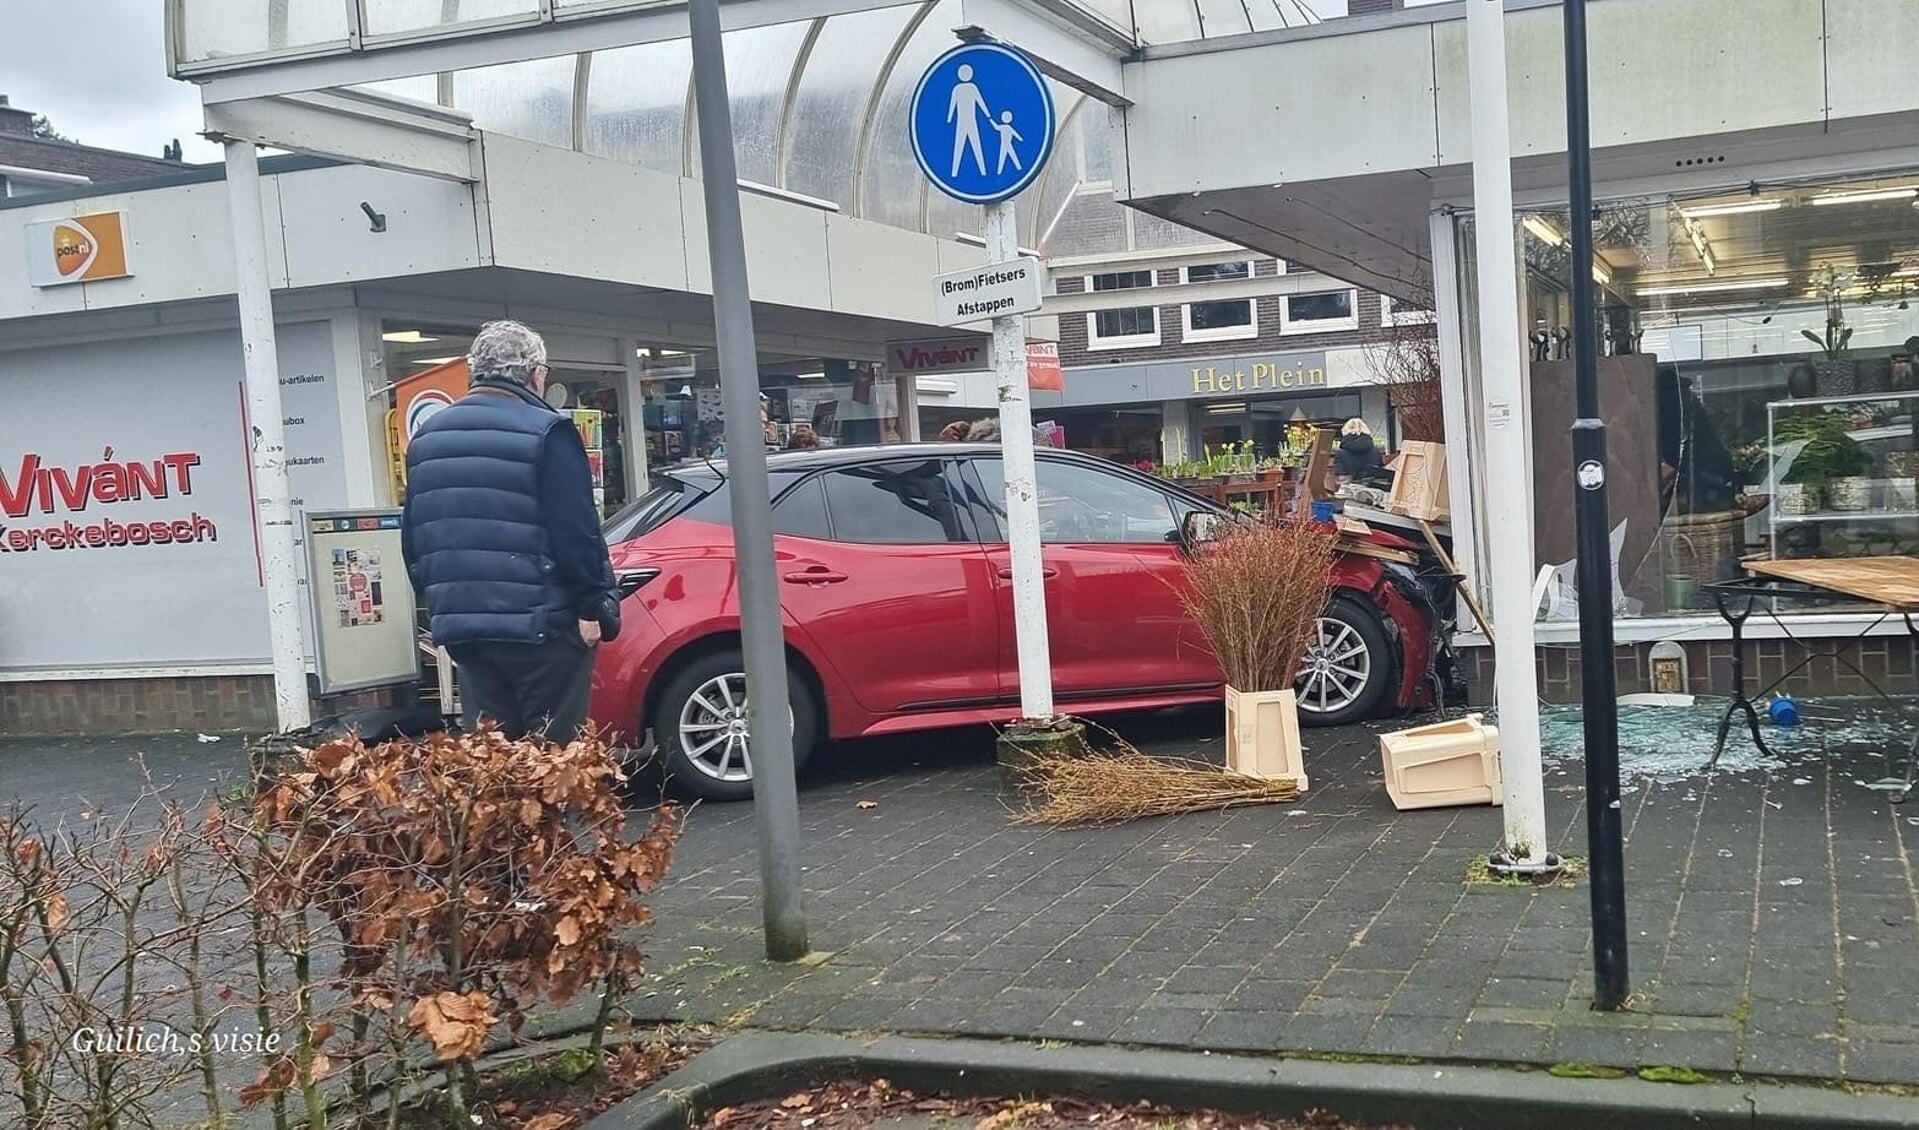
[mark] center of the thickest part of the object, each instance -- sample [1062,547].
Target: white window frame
[1287,324]
[1226,333]
[1391,317]
[1124,341]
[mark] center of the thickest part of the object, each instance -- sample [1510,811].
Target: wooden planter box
[1442,765]
[1262,736]
[1419,482]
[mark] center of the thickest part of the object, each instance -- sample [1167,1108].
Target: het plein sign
[1261,376]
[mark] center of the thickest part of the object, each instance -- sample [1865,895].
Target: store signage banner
[126,514]
[926,358]
[1208,379]
[81,249]
[1043,371]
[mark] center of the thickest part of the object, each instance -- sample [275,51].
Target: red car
[896,588]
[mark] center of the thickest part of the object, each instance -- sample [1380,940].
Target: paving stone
[1173,1026]
[1499,1042]
[1418,1036]
[1787,1056]
[1701,1051]
[1598,1046]
[1364,983]
[1517,992]
[1873,1062]
[1242,1031]
[1787,1018]
[1326,1033]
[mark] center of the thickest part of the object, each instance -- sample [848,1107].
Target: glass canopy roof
[819,106]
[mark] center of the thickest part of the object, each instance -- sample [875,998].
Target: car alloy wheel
[715,731]
[1336,668]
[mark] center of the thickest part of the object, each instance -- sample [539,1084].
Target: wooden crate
[1419,482]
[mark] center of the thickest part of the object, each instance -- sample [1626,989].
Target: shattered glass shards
[1671,743]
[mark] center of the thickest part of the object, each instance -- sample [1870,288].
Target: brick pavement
[1770,920]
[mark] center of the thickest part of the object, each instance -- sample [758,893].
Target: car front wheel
[703,731]
[1347,668]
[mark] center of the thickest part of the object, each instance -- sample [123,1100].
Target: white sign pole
[1508,503]
[267,444]
[1022,493]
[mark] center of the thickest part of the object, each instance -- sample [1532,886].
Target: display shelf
[1845,516]
[1819,442]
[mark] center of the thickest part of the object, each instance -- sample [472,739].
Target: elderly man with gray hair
[502,541]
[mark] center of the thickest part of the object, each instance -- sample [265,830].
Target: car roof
[813,459]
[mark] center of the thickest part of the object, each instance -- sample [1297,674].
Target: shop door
[1114,564]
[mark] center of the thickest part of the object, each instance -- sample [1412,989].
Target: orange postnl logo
[82,249]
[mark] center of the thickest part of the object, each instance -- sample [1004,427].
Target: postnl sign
[80,249]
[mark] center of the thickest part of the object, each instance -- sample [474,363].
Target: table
[1892,583]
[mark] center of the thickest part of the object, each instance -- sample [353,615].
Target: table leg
[1739,700]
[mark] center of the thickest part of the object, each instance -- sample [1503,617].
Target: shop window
[1229,320]
[1130,327]
[1323,312]
[1393,312]
[893,504]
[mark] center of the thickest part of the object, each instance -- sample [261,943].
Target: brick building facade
[30,164]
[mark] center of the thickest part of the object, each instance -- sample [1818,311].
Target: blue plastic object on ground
[1322,511]
[1783,711]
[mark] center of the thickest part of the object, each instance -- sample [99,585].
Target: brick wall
[206,704]
[1888,660]
[1073,329]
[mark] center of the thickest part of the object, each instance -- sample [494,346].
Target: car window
[893,504]
[1084,504]
[802,513]
[698,499]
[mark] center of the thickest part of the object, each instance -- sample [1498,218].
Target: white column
[633,404]
[1508,514]
[273,506]
[1022,492]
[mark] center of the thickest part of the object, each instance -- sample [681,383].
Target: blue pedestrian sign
[982,122]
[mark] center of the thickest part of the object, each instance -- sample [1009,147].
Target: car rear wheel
[702,728]
[1347,667]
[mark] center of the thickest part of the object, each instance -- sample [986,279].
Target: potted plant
[1834,371]
[1257,591]
[1829,454]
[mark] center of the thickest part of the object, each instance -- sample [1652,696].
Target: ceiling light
[433,360]
[407,337]
[1543,228]
[1601,276]
[1867,197]
[809,376]
[1768,204]
[1711,288]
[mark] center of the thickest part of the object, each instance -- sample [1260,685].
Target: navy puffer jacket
[499,550]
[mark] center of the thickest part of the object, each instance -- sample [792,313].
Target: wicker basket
[1705,546]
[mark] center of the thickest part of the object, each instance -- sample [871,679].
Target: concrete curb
[757,1065]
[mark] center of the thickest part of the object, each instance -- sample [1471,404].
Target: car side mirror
[1198,528]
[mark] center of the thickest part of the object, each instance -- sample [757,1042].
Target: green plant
[1838,335]
[1829,451]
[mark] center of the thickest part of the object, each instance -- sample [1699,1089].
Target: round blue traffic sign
[982,122]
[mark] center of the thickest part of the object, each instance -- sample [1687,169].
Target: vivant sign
[43,500]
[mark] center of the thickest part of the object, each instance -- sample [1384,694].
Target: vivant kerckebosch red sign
[52,506]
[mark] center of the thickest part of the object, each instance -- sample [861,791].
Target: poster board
[362,600]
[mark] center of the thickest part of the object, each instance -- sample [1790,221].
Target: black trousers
[534,691]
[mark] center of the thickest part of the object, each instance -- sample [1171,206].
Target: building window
[1322,312]
[1130,327]
[1393,312]
[1220,321]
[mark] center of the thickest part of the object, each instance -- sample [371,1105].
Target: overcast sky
[98,70]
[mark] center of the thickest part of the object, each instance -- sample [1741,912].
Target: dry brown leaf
[867,804]
[797,1101]
[549,1121]
[321,1066]
[568,931]
[723,1116]
[456,1025]
[1012,1116]
[57,911]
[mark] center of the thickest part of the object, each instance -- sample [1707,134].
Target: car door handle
[1046,572]
[815,575]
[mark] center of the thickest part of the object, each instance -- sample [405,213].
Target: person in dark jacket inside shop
[502,541]
[1358,458]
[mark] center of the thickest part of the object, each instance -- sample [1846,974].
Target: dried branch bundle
[1110,788]
[1257,593]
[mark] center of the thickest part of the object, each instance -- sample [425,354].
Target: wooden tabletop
[1891,581]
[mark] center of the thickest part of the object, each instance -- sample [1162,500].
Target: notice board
[362,600]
